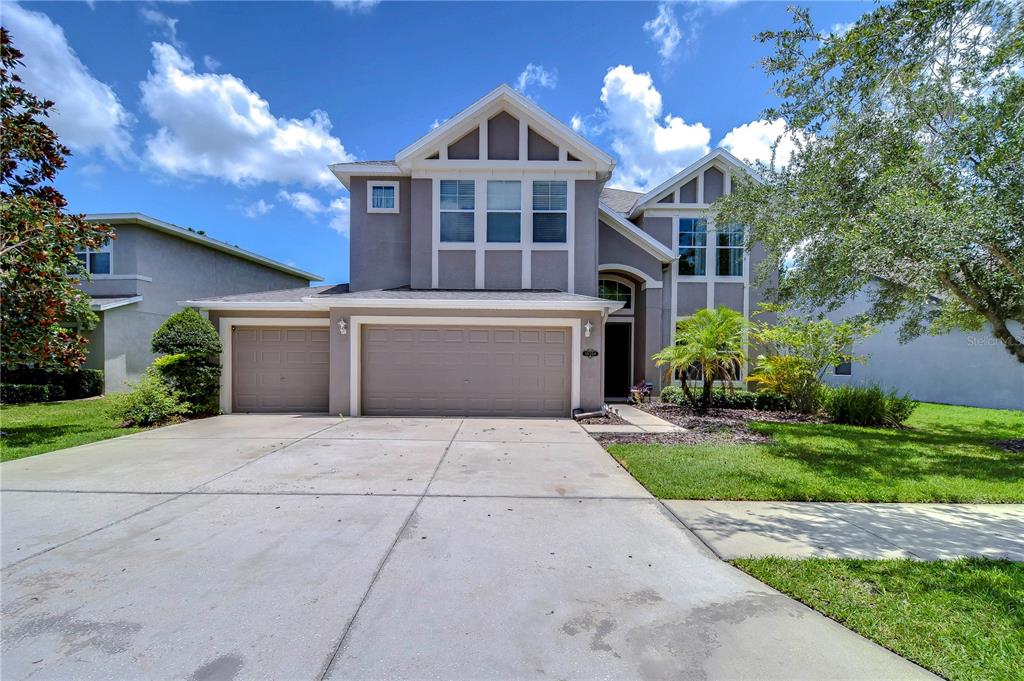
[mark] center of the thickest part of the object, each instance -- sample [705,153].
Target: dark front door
[616,359]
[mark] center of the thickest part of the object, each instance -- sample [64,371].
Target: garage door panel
[504,371]
[280,369]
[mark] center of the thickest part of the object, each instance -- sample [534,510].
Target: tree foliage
[710,341]
[39,299]
[189,365]
[909,168]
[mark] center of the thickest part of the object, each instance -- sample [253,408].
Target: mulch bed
[718,426]
[609,419]
[1010,445]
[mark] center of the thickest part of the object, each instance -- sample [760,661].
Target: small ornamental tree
[190,347]
[711,341]
[39,299]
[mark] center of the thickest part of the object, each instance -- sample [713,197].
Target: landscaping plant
[189,365]
[868,406]
[151,402]
[710,341]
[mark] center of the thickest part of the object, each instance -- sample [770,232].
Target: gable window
[458,203]
[613,289]
[730,251]
[550,211]
[504,211]
[383,197]
[95,260]
[693,247]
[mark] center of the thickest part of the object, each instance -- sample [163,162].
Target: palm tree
[710,340]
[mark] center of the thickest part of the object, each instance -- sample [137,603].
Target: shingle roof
[389,162]
[410,294]
[287,295]
[619,200]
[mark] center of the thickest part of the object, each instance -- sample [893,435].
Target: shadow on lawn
[24,436]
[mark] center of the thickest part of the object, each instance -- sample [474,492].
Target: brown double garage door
[409,370]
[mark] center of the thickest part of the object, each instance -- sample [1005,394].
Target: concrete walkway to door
[304,547]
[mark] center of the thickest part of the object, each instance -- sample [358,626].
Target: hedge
[725,399]
[19,393]
[59,385]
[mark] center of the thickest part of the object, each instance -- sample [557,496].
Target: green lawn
[944,456]
[30,429]
[961,619]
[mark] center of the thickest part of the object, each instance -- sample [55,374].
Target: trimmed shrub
[868,406]
[20,393]
[84,383]
[189,366]
[672,394]
[63,385]
[151,402]
[736,399]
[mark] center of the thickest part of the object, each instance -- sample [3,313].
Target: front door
[617,351]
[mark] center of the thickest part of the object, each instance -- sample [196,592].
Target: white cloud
[355,6]
[213,125]
[664,30]
[210,63]
[536,74]
[258,209]
[87,115]
[842,29]
[651,146]
[312,207]
[753,141]
[577,124]
[168,24]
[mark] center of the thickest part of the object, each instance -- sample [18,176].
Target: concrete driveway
[304,547]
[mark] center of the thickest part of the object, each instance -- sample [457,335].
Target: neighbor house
[492,272]
[138,279]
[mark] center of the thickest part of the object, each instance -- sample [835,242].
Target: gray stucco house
[139,278]
[492,272]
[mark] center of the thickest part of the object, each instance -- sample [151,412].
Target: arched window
[616,289]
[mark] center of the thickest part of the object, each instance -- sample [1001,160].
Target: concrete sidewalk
[742,529]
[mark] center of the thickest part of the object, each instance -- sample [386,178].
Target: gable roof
[716,154]
[639,237]
[619,200]
[510,99]
[189,235]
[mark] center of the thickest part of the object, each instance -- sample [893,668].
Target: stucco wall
[550,270]
[613,248]
[503,270]
[586,238]
[660,228]
[380,244]
[456,269]
[421,227]
[503,137]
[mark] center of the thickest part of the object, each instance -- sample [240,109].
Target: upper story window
[458,204]
[383,197]
[730,251]
[693,247]
[550,211]
[845,368]
[504,211]
[613,289]
[95,260]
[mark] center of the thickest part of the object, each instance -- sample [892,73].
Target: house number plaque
[590,352]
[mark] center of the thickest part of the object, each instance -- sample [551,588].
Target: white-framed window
[458,208]
[550,211]
[693,247]
[613,288]
[96,260]
[845,368]
[382,197]
[729,253]
[504,211]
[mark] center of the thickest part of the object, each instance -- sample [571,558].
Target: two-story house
[139,278]
[492,273]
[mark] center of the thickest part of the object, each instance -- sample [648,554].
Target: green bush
[868,406]
[20,393]
[151,402]
[672,394]
[189,366]
[63,385]
[736,399]
[187,333]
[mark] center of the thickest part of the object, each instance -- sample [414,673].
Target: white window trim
[475,211]
[356,322]
[708,236]
[534,211]
[382,183]
[224,327]
[504,245]
[622,311]
[108,248]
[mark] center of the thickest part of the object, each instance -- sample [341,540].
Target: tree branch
[1014,346]
[1001,255]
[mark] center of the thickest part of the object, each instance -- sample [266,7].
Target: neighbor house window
[458,203]
[845,368]
[730,251]
[504,210]
[693,247]
[550,211]
[383,197]
[95,260]
[611,289]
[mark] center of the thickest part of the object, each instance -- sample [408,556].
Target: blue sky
[223,115]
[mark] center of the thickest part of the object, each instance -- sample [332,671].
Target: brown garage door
[446,370]
[279,369]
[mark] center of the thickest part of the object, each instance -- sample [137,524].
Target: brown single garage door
[279,369]
[472,371]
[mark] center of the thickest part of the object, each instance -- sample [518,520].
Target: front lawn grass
[961,619]
[30,429]
[945,455]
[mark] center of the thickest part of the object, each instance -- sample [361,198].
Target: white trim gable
[719,157]
[504,98]
[636,235]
